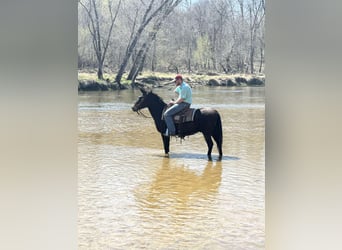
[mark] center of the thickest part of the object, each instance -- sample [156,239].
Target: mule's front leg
[166,142]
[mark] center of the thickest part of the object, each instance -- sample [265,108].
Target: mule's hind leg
[218,140]
[210,144]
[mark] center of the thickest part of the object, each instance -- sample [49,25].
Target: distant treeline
[171,35]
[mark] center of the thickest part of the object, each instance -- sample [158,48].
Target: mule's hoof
[220,158]
[210,158]
[166,155]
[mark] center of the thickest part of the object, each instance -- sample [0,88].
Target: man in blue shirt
[184,101]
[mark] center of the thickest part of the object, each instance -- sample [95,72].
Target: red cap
[179,76]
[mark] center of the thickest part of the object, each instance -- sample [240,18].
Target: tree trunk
[261,59]
[128,54]
[189,55]
[135,65]
[146,21]
[140,59]
[252,50]
[100,72]
[189,65]
[213,49]
[224,69]
[252,60]
[154,57]
[139,63]
[123,67]
[140,68]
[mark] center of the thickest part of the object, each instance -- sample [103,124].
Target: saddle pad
[184,116]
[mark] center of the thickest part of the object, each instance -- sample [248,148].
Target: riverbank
[87,80]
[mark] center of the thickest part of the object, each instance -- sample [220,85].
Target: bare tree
[200,36]
[141,57]
[149,15]
[100,40]
[256,15]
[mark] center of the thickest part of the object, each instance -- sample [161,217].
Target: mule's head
[142,101]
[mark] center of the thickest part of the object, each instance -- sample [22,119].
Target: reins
[139,112]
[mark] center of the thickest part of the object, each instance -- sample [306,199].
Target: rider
[184,101]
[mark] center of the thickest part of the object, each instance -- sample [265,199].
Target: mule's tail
[218,137]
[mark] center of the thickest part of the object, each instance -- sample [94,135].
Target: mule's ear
[143,91]
[148,89]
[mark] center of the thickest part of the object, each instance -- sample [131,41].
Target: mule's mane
[159,99]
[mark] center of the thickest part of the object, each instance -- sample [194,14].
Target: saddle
[185,115]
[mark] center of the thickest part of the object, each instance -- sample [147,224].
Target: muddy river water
[131,197]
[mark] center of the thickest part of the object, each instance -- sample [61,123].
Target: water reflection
[202,156]
[177,187]
[130,197]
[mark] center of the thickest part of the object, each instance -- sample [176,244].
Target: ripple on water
[103,106]
[132,197]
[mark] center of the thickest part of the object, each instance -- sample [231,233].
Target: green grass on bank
[90,76]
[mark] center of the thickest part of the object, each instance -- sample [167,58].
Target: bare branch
[110,30]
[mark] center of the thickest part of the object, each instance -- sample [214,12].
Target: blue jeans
[170,112]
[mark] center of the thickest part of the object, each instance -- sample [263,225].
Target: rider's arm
[179,100]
